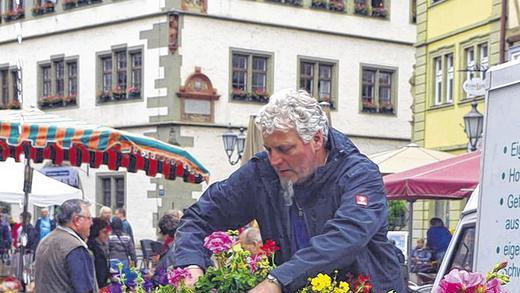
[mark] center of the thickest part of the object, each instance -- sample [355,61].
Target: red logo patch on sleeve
[361,200]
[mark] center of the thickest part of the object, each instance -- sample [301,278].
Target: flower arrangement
[379,11]
[460,281]
[258,95]
[324,283]
[14,104]
[69,3]
[319,4]
[70,99]
[118,93]
[337,5]
[235,270]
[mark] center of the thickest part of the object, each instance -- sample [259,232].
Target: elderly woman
[98,244]
[105,213]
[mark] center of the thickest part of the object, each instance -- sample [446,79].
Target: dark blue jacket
[344,235]
[438,238]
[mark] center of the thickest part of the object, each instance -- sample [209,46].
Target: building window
[9,85]
[115,68]
[317,78]
[483,57]
[476,63]
[4,83]
[136,83]
[250,77]
[449,78]
[46,75]
[377,90]
[43,6]
[72,78]
[111,191]
[58,83]
[413,11]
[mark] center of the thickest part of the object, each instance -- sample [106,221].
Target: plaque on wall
[197,98]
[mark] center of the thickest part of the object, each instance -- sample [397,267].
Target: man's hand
[195,273]
[266,287]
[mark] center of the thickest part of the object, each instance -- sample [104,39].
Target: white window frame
[449,78]
[438,80]
[484,59]
[470,65]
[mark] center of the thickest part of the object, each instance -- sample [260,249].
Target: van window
[463,252]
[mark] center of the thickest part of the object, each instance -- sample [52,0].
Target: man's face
[81,223]
[292,159]
[44,213]
[420,244]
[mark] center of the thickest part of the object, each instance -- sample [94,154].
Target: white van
[460,253]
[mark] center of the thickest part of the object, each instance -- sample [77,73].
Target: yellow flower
[320,282]
[343,288]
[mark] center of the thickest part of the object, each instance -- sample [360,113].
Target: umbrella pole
[410,234]
[27,184]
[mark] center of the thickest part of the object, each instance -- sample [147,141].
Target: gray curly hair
[293,109]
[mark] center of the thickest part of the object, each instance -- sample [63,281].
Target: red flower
[269,247]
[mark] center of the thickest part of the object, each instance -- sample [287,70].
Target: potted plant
[337,5]
[369,106]
[13,104]
[104,96]
[48,7]
[322,4]
[118,93]
[37,9]
[70,100]
[133,93]
[260,95]
[67,4]
[379,12]
[44,102]
[360,7]
[294,2]
[239,94]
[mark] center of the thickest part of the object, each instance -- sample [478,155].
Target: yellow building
[455,39]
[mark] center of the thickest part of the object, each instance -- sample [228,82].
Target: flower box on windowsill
[250,97]
[52,102]
[369,107]
[379,12]
[12,105]
[47,7]
[133,93]
[14,14]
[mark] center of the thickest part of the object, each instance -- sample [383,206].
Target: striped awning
[39,136]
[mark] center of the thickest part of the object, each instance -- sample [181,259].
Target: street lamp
[473,125]
[231,141]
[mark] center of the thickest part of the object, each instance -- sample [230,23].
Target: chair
[146,249]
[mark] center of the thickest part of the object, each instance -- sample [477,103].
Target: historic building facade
[184,71]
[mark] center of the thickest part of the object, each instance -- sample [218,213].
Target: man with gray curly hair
[311,191]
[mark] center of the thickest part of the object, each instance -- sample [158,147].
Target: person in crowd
[63,261]
[105,213]
[127,228]
[26,228]
[167,225]
[311,191]
[438,238]
[14,231]
[98,244]
[251,240]
[122,249]
[44,224]
[421,258]
[5,239]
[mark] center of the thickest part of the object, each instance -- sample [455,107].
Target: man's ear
[318,140]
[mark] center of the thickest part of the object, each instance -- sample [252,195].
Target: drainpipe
[503,18]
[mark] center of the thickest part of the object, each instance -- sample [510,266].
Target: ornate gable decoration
[195,5]
[198,86]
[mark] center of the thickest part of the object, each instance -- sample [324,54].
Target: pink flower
[460,281]
[177,275]
[251,262]
[493,286]
[218,242]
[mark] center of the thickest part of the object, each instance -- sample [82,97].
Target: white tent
[45,190]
